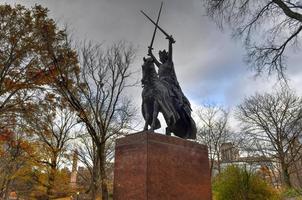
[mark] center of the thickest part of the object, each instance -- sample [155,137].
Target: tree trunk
[105,194]
[218,162]
[49,190]
[286,178]
[103,175]
[94,190]
[298,170]
[95,181]
[6,190]
[211,166]
[285,175]
[2,189]
[51,179]
[5,186]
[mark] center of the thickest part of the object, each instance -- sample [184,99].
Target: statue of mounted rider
[162,92]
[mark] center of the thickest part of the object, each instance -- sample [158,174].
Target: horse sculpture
[157,98]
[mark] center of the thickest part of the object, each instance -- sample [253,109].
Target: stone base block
[151,166]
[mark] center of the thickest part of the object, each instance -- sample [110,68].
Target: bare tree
[96,93]
[276,121]
[268,27]
[213,131]
[259,148]
[87,155]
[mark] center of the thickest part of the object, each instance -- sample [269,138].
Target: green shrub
[236,183]
[292,193]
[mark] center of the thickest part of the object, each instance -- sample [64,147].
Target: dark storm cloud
[208,62]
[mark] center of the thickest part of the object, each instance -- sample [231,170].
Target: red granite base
[151,166]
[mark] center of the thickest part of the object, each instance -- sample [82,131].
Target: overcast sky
[209,63]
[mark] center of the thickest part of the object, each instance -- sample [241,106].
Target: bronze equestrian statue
[156,98]
[162,93]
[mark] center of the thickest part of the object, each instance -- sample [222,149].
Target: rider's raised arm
[157,63]
[171,41]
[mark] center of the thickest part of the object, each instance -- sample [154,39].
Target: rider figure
[167,74]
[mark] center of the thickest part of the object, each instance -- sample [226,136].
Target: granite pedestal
[151,166]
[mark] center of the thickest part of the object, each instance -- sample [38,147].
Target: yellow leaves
[2,153]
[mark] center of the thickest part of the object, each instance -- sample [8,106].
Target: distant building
[74,170]
[264,166]
[229,152]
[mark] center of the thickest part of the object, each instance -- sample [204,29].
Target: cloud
[209,63]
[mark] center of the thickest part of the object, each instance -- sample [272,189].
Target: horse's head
[148,69]
[148,63]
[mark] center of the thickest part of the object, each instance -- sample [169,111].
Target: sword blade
[164,32]
[155,29]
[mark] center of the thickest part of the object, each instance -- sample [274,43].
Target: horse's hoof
[168,133]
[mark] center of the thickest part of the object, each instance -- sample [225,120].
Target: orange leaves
[26,146]
[5,135]
[35,52]
[50,97]
[8,138]
[46,76]
[8,84]
[40,12]
[11,85]
[13,39]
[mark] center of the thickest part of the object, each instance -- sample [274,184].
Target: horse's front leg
[146,126]
[168,131]
[147,116]
[155,114]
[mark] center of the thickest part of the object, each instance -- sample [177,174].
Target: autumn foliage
[47,89]
[31,49]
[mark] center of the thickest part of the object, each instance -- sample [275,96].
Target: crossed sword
[156,26]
